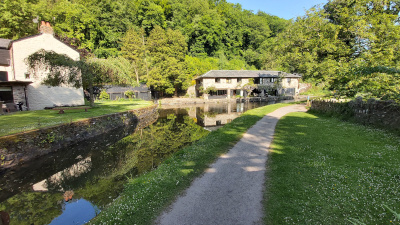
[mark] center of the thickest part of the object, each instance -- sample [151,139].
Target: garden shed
[118,92]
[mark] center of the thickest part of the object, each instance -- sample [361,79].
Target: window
[3,76]
[217,80]
[239,80]
[6,95]
[228,80]
[27,76]
[222,92]
[289,80]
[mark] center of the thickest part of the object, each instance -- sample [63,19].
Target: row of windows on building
[256,80]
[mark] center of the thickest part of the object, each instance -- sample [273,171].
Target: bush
[210,89]
[130,94]
[104,95]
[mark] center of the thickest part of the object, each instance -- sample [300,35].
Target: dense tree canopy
[351,46]
[326,45]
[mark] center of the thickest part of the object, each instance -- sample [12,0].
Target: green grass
[325,171]
[145,197]
[317,92]
[29,120]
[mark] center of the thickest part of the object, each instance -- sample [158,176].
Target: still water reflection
[75,184]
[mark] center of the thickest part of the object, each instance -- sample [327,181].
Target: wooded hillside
[351,46]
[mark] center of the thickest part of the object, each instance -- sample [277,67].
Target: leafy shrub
[104,95]
[130,94]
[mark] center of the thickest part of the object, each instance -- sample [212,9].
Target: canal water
[73,185]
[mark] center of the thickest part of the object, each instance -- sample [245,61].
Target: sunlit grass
[332,172]
[317,92]
[29,120]
[145,197]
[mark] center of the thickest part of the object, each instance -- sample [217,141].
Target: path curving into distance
[231,190]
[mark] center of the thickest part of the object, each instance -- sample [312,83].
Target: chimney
[45,28]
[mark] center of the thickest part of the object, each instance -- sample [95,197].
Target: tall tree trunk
[137,75]
[91,95]
[145,58]
[176,90]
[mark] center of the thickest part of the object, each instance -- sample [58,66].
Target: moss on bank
[145,197]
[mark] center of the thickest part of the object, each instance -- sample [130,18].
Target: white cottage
[230,83]
[17,85]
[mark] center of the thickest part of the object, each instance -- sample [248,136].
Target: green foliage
[167,49]
[134,50]
[25,211]
[250,86]
[381,82]
[210,90]
[104,95]
[203,32]
[339,44]
[16,19]
[146,196]
[58,69]
[318,91]
[130,94]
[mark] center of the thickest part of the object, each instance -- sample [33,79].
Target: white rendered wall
[40,96]
[222,85]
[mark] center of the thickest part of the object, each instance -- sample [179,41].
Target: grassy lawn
[317,92]
[29,120]
[325,171]
[145,197]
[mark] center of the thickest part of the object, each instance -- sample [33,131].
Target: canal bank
[198,101]
[27,146]
[145,197]
[99,170]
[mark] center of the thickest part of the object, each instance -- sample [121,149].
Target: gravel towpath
[231,190]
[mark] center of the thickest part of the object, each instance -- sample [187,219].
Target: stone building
[231,83]
[18,85]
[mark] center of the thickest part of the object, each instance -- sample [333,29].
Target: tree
[133,49]
[16,19]
[167,50]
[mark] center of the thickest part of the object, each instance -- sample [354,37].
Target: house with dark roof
[18,85]
[118,92]
[243,83]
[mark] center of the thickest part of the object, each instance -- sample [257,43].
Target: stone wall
[381,114]
[19,94]
[24,147]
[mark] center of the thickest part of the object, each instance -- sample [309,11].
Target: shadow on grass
[325,171]
[145,197]
[30,120]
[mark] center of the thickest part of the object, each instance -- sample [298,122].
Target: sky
[286,9]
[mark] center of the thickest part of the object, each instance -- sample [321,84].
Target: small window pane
[3,76]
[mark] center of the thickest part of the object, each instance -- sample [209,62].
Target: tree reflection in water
[100,176]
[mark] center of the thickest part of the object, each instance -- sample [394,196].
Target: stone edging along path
[230,191]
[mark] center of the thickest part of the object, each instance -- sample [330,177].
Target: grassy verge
[317,92]
[145,197]
[325,171]
[29,120]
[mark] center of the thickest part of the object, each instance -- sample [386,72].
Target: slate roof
[4,57]
[245,74]
[119,89]
[4,43]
